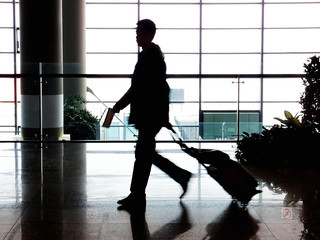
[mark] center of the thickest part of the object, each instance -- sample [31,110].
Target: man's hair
[147,25]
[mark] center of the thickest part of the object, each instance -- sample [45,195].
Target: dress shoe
[133,201]
[184,184]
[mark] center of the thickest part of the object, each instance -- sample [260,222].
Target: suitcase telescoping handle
[107,108]
[176,138]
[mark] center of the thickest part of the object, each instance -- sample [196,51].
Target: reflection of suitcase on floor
[234,179]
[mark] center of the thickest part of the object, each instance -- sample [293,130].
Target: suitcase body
[234,179]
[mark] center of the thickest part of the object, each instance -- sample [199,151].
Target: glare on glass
[111,15]
[292,15]
[6,40]
[106,40]
[186,89]
[6,63]
[283,89]
[292,40]
[272,110]
[111,63]
[6,15]
[285,63]
[231,16]
[219,89]
[182,63]
[231,64]
[231,41]
[172,16]
[178,40]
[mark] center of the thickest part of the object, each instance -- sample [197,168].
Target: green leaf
[296,122]
[280,120]
[288,115]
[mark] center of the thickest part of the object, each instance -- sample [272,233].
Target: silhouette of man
[148,97]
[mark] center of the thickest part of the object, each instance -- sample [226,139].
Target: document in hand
[108,119]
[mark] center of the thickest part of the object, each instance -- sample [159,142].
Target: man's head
[146,29]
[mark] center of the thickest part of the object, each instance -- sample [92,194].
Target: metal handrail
[168,75]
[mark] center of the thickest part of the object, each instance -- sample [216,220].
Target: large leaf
[281,120]
[288,115]
[297,122]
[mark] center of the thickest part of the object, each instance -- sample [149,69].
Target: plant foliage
[293,141]
[79,122]
[289,144]
[310,99]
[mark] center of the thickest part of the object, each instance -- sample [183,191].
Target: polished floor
[69,191]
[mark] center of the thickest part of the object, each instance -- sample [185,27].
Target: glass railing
[186,110]
[218,131]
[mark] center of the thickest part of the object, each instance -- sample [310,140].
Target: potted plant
[78,122]
[290,143]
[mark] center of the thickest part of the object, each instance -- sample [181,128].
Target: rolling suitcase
[234,179]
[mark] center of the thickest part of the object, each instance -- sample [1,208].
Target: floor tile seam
[13,225]
[264,222]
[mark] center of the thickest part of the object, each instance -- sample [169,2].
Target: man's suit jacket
[148,95]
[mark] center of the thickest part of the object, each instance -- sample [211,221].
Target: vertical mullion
[200,59]
[138,5]
[15,67]
[262,61]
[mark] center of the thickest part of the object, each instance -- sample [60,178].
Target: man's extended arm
[124,101]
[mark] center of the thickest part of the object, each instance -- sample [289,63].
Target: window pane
[109,89]
[226,89]
[6,115]
[219,89]
[184,89]
[6,63]
[111,41]
[231,64]
[231,16]
[285,63]
[284,40]
[6,15]
[6,40]
[6,90]
[292,15]
[111,15]
[17,15]
[219,106]
[282,89]
[272,110]
[231,41]
[178,40]
[249,89]
[185,115]
[111,63]
[182,63]
[173,16]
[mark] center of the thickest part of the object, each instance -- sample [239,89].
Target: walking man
[148,97]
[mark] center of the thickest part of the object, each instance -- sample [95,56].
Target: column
[41,34]
[74,46]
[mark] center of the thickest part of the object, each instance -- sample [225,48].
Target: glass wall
[8,60]
[197,37]
[211,37]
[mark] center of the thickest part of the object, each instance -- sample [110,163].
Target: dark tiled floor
[69,191]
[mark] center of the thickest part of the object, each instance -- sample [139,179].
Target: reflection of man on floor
[140,229]
[148,97]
